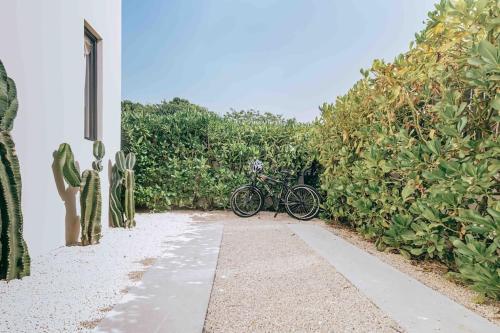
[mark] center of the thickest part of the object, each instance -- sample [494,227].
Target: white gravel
[71,288]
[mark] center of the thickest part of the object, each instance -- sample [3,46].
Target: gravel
[269,280]
[71,288]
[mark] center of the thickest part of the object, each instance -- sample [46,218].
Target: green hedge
[188,157]
[411,152]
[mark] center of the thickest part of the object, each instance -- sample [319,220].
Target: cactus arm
[14,260]
[97,165]
[66,161]
[98,150]
[130,161]
[120,161]
[10,112]
[129,198]
[8,100]
[90,202]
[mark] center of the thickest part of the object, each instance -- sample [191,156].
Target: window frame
[92,105]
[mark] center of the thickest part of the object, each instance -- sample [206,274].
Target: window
[91,52]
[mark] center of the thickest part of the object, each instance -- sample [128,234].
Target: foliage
[190,157]
[90,189]
[122,186]
[14,256]
[411,151]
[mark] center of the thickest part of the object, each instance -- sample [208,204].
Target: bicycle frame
[269,185]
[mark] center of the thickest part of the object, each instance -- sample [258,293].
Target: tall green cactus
[115,198]
[122,202]
[90,203]
[14,256]
[129,200]
[90,190]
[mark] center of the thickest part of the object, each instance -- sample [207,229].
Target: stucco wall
[42,50]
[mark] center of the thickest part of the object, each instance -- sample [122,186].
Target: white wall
[42,50]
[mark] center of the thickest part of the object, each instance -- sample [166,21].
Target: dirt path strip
[413,305]
[269,280]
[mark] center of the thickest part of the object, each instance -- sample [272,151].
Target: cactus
[90,203]
[122,202]
[129,199]
[14,256]
[90,190]
[115,198]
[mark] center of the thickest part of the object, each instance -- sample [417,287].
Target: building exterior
[65,58]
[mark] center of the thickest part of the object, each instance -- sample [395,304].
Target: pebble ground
[269,280]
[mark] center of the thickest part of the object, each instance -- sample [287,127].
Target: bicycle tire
[318,197]
[238,208]
[309,213]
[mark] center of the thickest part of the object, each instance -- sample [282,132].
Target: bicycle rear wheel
[302,202]
[246,201]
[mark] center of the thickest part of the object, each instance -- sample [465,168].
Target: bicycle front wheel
[246,201]
[302,202]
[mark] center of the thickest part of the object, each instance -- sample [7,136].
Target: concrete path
[413,305]
[175,292]
[269,280]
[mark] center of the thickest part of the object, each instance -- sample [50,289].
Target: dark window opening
[91,112]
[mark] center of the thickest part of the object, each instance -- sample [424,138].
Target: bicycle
[300,201]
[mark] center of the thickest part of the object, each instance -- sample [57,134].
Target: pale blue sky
[281,56]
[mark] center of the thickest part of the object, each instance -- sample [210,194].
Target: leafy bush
[188,157]
[411,152]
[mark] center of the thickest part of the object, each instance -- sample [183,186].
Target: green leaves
[434,146]
[478,264]
[496,102]
[489,53]
[187,156]
[410,152]
[408,190]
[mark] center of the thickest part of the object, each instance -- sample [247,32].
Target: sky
[282,56]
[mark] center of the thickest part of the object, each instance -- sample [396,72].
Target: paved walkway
[174,293]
